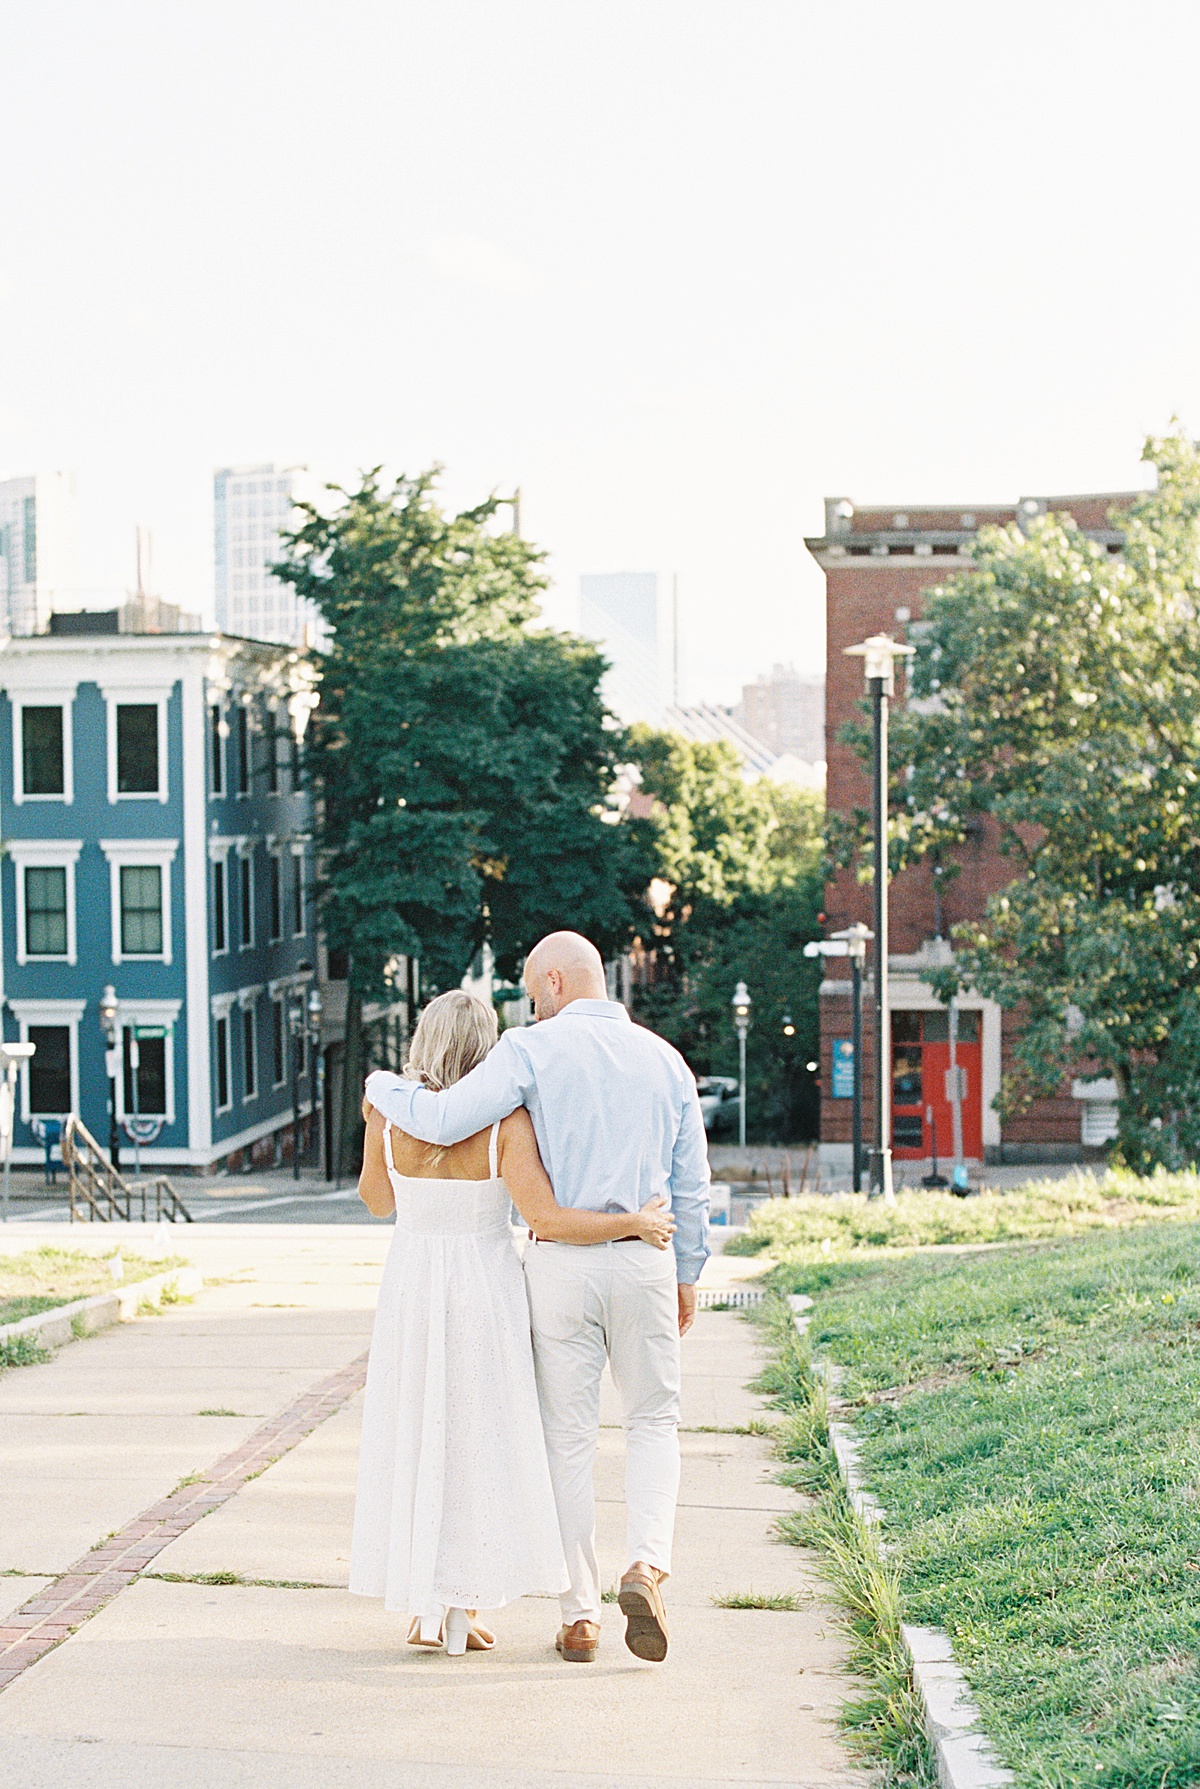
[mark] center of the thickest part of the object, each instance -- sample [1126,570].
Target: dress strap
[493,1163]
[387,1146]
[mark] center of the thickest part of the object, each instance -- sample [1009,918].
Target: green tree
[1057,704]
[738,888]
[461,761]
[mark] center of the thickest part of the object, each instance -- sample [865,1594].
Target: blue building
[156,840]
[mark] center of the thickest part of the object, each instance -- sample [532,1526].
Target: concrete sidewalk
[180,1681]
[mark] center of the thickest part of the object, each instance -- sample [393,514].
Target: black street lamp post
[879,654]
[855,938]
[741,1004]
[852,943]
[109,1013]
[304,1023]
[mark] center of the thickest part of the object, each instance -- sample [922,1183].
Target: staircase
[100,1194]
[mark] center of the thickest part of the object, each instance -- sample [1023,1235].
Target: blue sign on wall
[843,1068]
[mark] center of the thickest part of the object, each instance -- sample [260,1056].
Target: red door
[922,1119]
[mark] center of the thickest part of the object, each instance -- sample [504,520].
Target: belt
[549,1241]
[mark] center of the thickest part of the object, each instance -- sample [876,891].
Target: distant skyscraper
[37,549]
[632,616]
[251,504]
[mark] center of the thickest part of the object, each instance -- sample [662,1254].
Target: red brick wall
[862,600]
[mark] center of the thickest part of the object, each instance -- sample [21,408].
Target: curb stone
[965,1756]
[102,1310]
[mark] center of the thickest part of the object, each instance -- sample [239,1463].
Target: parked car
[718,1102]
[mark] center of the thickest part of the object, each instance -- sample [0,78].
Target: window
[50,1070]
[43,761]
[141,910]
[220,915]
[151,1074]
[215,752]
[137,748]
[273,743]
[140,892]
[246,881]
[241,727]
[275,868]
[278,1053]
[298,895]
[221,1039]
[44,884]
[46,911]
[249,1054]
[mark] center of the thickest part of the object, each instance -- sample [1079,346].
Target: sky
[679,268]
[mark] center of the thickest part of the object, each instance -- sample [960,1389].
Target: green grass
[225,1578]
[828,1227]
[22,1351]
[1030,1423]
[883,1722]
[752,1599]
[41,1279]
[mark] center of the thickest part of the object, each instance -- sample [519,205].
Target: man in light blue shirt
[618,1123]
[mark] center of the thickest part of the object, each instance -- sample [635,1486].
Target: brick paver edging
[47,1618]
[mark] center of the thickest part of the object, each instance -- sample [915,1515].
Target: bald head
[560,968]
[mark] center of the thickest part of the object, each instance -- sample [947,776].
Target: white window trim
[244,701]
[298,849]
[148,1012]
[218,853]
[221,865]
[248,1003]
[64,698]
[159,695]
[42,854]
[275,853]
[216,699]
[245,851]
[49,1012]
[226,1017]
[131,853]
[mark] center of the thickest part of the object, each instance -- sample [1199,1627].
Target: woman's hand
[654,1224]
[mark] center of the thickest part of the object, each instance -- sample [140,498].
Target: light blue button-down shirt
[615,1110]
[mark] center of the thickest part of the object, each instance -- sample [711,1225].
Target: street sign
[843,1069]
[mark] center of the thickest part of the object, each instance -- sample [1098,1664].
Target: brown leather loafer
[578,1643]
[645,1615]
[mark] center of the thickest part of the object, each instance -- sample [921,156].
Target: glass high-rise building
[631,615]
[37,550]
[251,504]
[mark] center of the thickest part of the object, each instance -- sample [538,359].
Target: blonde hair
[453,1034]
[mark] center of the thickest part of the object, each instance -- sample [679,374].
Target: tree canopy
[739,868]
[1056,698]
[461,760]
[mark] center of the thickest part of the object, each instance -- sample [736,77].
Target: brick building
[878,562]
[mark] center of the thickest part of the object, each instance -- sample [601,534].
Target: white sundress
[454,1507]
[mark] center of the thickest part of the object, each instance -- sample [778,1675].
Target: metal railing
[101,1194]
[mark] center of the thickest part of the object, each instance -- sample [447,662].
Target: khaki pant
[614,1300]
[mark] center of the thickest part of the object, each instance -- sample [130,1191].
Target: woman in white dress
[455,1510]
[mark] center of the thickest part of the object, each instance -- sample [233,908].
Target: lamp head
[109,1008]
[741,1004]
[856,938]
[789,1025]
[879,654]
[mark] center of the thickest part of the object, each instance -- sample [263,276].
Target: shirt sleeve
[493,1089]
[689,1189]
